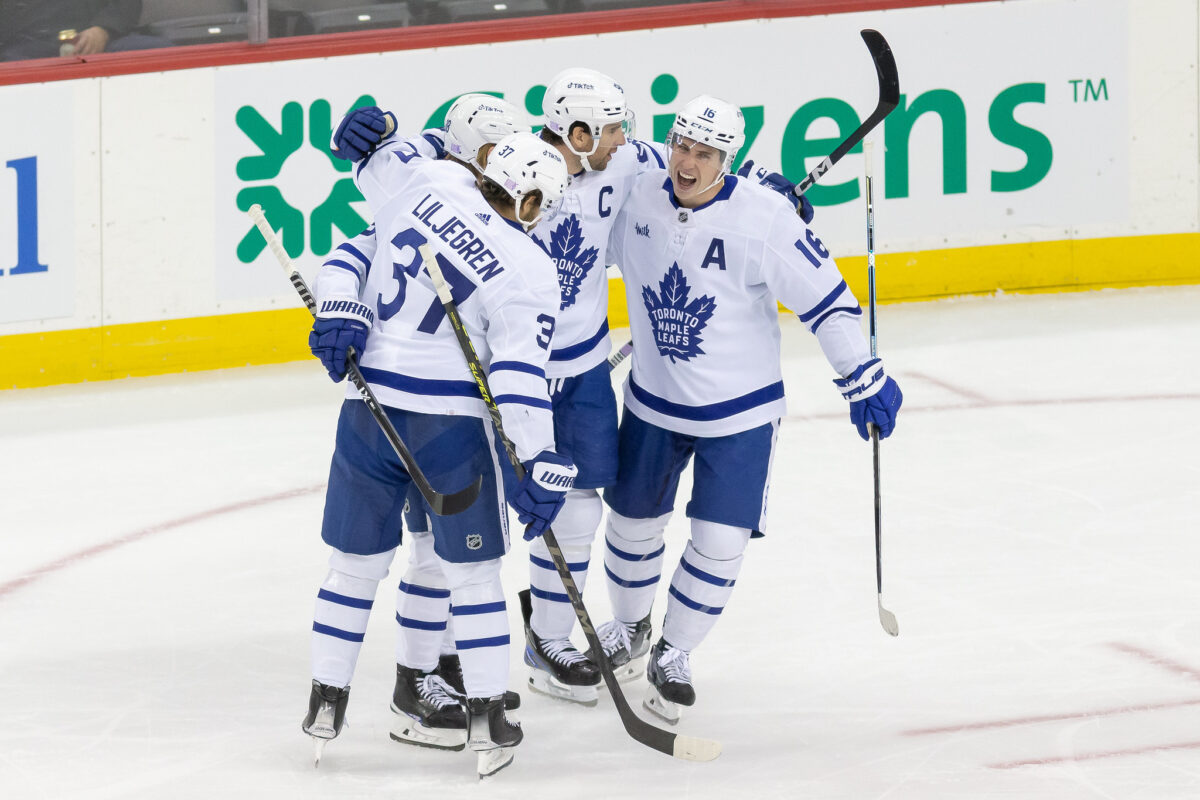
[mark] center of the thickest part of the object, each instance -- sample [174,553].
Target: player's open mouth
[685,181]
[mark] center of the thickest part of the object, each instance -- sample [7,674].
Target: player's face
[694,168]
[611,137]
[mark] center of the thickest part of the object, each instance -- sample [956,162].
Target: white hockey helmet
[478,119]
[586,96]
[521,163]
[713,122]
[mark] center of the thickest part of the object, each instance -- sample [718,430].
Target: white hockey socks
[422,608]
[703,582]
[574,528]
[480,619]
[343,607]
[633,556]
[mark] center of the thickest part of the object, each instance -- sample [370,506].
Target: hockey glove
[776,181]
[874,398]
[541,493]
[360,132]
[340,328]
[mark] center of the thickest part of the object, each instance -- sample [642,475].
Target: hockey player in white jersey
[429,682]
[507,295]
[705,256]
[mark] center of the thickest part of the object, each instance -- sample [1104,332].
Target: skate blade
[408,731]
[489,762]
[318,749]
[661,707]
[544,683]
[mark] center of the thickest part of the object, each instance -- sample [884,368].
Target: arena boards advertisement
[984,148]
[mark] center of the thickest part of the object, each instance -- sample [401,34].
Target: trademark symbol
[1091,91]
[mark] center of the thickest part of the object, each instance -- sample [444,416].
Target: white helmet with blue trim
[585,96]
[521,163]
[475,120]
[713,122]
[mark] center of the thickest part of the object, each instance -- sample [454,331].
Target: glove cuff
[346,308]
[552,476]
[866,380]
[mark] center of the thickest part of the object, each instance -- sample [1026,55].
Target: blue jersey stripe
[491,641]
[581,349]
[478,608]
[554,597]
[707,577]
[517,366]
[343,600]
[424,591]
[429,386]
[354,251]
[438,146]
[634,556]
[824,304]
[856,311]
[420,625]
[337,633]
[578,566]
[630,584]
[712,411]
[334,262]
[523,400]
[692,604]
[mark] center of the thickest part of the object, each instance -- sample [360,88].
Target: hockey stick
[689,748]
[886,618]
[441,504]
[619,356]
[889,98]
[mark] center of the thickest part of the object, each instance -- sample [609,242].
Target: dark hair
[495,194]
[550,137]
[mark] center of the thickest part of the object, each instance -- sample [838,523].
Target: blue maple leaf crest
[677,323]
[573,262]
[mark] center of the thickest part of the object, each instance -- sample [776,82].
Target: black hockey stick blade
[889,98]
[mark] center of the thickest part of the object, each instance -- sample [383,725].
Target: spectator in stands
[49,28]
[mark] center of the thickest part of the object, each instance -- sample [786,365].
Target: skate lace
[675,665]
[561,651]
[437,692]
[614,636]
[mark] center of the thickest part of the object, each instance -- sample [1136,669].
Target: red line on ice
[1132,751]
[1161,661]
[1006,723]
[95,550]
[1050,401]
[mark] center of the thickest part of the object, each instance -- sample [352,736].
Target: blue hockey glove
[360,132]
[341,324]
[874,398]
[776,181]
[541,493]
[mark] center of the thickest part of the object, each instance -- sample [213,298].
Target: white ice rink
[161,556]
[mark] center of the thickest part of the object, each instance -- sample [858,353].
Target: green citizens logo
[262,171]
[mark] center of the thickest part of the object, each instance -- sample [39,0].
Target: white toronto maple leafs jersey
[702,286]
[504,286]
[576,239]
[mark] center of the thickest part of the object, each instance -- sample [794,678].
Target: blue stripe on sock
[634,556]
[480,608]
[692,604]
[707,577]
[343,600]
[469,644]
[630,584]
[337,633]
[556,597]
[420,624]
[578,566]
[424,591]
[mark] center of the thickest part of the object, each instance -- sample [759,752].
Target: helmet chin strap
[583,157]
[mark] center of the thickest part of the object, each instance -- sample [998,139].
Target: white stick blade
[888,620]
[693,748]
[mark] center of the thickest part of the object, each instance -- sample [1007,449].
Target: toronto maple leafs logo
[677,323]
[573,262]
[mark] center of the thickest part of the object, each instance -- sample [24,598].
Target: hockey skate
[428,712]
[557,668]
[492,736]
[326,715]
[670,678]
[449,669]
[625,646]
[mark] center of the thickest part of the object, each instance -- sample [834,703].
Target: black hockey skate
[492,736]
[624,646]
[326,715]
[428,712]
[449,669]
[558,669]
[670,677]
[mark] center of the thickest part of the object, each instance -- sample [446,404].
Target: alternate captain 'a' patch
[574,262]
[676,321]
